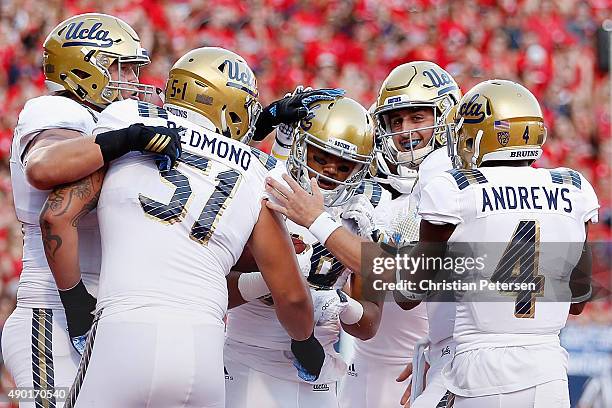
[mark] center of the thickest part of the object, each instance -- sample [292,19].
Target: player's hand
[294,202]
[166,142]
[361,211]
[406,374]
[291,109]
[310,357]
[328,305]
[160,140]
[79,306]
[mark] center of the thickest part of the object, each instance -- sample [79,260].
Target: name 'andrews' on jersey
[205,207]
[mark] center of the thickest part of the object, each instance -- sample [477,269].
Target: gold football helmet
[499,120]
[79,51]
[219,85]
[341,127]
[415,84]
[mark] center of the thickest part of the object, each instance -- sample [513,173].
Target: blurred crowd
[548,45]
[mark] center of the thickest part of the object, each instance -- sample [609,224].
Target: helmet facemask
[113,91]
[299,169]
[406,160]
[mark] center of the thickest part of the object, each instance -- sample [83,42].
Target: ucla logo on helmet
[437,79]
[471,111]
[77,35]
[240,74]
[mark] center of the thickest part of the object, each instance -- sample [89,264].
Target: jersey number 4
[519,264]
[176,209]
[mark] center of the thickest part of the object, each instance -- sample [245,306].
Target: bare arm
[580,279]
[234,296]
[60,156]
[303,208]
[367,326]
[432,238]
[346,247]
[59,218]
[273,252]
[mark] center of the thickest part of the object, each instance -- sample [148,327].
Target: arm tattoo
[50,240]
[87,207]
[60,201]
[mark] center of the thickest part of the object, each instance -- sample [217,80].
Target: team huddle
[168,262]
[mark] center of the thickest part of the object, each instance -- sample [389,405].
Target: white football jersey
[529,209]
[399,330]
[435,163]
[170,237]
[440,315]
[255,323]
[37,287]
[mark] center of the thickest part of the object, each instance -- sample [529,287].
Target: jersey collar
[191,116]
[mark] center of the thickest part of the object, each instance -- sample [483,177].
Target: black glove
[153,139]
[79,306]
[292,108]
[310,357]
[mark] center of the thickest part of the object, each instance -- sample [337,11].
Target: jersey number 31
[176,209]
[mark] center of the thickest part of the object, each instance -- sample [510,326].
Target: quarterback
[411,114]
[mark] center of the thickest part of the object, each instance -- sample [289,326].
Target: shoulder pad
[464,177]
[268,161]
[49,112]
[566,176]
[372,190]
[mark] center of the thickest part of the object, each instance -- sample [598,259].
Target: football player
[170,237]
[332,150]
[411,114]
[90,60]
[507,344]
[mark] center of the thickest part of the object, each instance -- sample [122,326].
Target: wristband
[279,152]
[283,137]
[323,226]
[353,312]
[583,298]
[252,286]
[75,296]
[409,295]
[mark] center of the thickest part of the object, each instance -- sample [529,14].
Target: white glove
[284,135]
[327,306]
[361,211]
[332,305]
